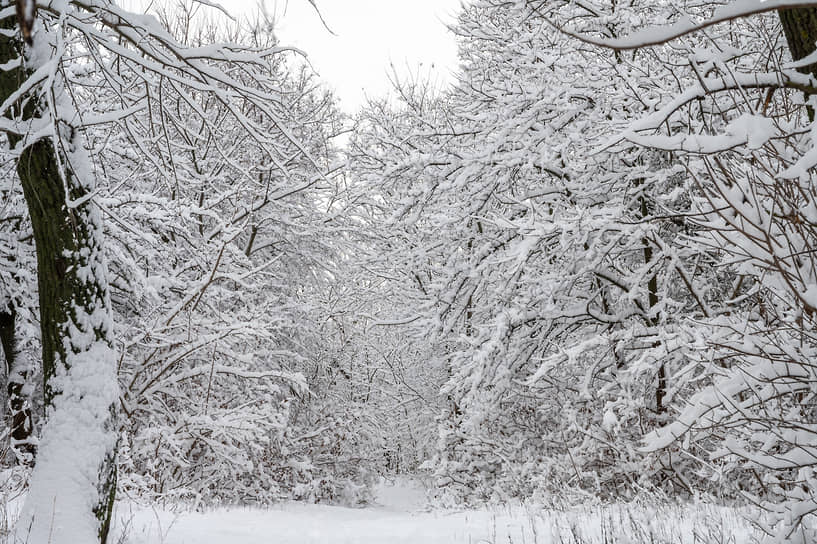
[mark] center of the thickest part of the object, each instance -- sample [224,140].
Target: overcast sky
[369,35]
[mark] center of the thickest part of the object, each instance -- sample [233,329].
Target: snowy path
[399,519]
[312,525]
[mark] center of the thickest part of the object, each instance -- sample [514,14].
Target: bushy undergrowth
[643,523]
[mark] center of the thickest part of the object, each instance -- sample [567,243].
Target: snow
[609,421]
[400,516]
[74,442]
[810,295]
[512,288]
[656,35]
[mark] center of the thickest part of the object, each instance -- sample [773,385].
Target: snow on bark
[73,483]
[76,441]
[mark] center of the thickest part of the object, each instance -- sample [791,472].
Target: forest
[583,273]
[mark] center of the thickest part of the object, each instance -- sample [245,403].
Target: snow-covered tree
[548,275]
[742,126]
[74,69]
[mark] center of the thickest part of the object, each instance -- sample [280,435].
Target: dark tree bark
[21,423]
[800,28]
[67,244]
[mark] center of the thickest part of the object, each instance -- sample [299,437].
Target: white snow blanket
[401,517]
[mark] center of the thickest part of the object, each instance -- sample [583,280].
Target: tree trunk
[78,363]
[21,423]
[800,28]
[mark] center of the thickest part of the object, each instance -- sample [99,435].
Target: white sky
[370,35]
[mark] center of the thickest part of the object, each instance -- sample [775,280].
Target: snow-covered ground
[400,517]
